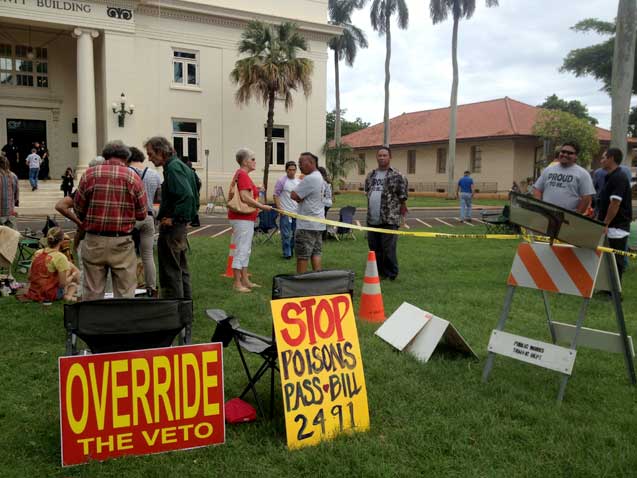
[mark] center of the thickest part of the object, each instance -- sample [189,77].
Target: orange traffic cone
[228,272]
[371,306]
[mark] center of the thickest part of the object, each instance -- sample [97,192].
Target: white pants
[242,232]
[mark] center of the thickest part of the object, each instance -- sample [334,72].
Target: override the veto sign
[140,402]
[321,367]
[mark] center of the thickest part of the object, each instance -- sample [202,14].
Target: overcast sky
[513,50]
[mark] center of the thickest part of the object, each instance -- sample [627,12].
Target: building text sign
[86,12]
[321,368]
[140,402]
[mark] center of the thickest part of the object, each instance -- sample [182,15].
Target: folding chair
[228,330]
[26,248]
[498,222]
[283,286]
[266,226]
[115,325]
[346,215]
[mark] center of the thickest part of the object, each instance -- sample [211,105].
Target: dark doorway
[25,133]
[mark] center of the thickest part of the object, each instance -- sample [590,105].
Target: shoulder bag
[235,203]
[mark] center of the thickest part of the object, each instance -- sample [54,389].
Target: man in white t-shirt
[308,240]
[566,184]
[282,191]
[33,162]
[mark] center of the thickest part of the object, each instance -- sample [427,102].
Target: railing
[439,187]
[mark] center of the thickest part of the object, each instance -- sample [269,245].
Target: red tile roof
[503,117]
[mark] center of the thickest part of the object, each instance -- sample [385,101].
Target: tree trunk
[337,116]
[453,113]
[268,144]
[386,132]
[623,70]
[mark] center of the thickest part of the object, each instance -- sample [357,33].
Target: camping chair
[498,222]
[346,215]
[266,226]
[27,246]
[283,286]
[115,325]
[228,330]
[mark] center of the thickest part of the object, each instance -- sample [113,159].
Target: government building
[65,65]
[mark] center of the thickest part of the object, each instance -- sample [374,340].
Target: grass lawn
[360,200]
[434,419]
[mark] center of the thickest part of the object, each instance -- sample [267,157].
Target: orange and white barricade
[561,269]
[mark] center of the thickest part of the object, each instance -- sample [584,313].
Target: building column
[86,115]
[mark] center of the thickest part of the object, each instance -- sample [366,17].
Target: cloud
[512,50]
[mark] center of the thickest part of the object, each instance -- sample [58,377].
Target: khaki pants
[101,254]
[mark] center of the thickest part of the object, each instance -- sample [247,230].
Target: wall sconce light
[121,111]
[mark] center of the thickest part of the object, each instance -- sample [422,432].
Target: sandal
[252,285]
[242,289]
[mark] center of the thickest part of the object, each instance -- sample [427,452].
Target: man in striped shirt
[109,200]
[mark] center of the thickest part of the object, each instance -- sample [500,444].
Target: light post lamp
[207,153]
[121,111]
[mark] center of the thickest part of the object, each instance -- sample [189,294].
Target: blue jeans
[465,206]
[287,226]
[33,177]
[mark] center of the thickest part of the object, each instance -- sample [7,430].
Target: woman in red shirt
[243,224]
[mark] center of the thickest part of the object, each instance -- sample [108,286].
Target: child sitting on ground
[52,275]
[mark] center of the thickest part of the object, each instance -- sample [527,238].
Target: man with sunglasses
[566,184]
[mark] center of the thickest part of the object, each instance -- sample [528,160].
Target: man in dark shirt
[179,206]
[615,204]
[108,201]
[11,152]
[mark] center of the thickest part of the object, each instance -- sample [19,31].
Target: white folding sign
[413,330]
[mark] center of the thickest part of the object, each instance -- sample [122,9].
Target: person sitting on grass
[52,275]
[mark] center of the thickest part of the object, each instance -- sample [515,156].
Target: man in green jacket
[179,206]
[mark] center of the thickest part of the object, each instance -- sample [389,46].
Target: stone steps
[40,202]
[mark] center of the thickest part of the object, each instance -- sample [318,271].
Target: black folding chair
[266,226]
[283,286]
[115,325]
[346,215]
[228,330]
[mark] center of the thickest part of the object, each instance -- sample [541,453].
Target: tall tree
[439,10]
[595,60]
[381,14]
[271,70]
[575,107]
[347,127]
[623,71]
[344,47]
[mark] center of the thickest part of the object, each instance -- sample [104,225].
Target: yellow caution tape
[440,235]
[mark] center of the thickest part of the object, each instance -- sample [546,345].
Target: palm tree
[381,13]
[439,10]
[339,159]
[344,47]
[271,71]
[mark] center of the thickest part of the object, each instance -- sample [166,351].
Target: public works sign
[321,368]
[140,402]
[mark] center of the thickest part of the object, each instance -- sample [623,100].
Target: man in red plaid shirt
[108,201]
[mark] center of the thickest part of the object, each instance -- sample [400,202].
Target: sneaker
[47,303]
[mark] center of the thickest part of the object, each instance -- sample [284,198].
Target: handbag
[235,203]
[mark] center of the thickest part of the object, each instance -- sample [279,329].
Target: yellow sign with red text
[321,367]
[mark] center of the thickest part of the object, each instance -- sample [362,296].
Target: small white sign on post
[413,330]
[535,352]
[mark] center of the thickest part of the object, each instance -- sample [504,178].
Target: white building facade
[64,63]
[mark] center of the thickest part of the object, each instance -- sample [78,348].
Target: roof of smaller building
[498,118]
